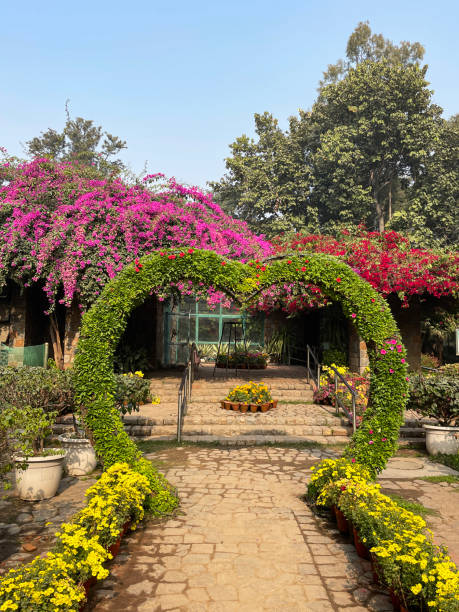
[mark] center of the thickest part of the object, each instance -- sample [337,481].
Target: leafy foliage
[103,325]
[27,427]
[45,389]
[436,395]
[80,142]
[267,183]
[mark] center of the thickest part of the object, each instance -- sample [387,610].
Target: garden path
[245,540]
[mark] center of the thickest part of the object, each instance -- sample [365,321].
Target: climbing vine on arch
[376,439]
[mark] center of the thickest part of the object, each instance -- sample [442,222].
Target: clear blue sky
[181,80]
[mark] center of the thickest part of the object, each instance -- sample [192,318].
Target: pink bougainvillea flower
[353,315]
[391,370]
[383,352]
[403,360]
[384,439]
[353,460]
[370,432]
[370,442]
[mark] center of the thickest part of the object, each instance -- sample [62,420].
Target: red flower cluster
[386,260]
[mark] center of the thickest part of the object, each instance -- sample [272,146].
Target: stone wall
[358,356]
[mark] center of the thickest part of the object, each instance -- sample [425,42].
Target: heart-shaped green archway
[102,327]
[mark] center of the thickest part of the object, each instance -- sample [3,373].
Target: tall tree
[367,130]
[267,183]
[431,217]
[81,141]
[364,45]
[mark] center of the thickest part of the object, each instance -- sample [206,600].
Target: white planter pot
[443,440]
[41,478]
[80,458]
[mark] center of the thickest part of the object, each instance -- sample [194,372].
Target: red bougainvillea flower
[289,261]
[171,256]
[303,269]
[223,263]
[190,251]
[338,280]
[343,488]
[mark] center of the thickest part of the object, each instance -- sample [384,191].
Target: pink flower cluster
[64,226]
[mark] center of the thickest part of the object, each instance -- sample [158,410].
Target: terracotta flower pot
[374,568]
[265,407]
[343,525]
[235,406]
[360,547]
[395,600]
[274,403]
[114,548]
[253,407]
[243,407]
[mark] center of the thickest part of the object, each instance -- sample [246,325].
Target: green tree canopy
[267,183]
[374,126]
[82,141]
[364,45]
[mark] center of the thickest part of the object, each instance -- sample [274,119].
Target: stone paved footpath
[245,540]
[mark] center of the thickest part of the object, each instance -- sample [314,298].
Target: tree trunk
[379,215]
[56,341]
[379,206]
[390,201]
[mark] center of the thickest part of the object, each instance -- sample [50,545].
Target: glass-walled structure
[189,321]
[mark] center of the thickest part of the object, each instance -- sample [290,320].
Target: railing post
[318,375]
[307,363]
[353,413]
[179,419]
[336,395]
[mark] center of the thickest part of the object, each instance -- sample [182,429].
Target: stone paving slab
[402,468]
[244,540]
[27,528]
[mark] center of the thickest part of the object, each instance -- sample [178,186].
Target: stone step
[285,396]
[254,439]
[263,419]
[263,429]
[412,432]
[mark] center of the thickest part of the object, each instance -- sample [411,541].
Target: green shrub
[429,361]
[436,396]
[132,390]
[51,389]
[334,357]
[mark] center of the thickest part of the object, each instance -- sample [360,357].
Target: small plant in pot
[80,456]
[38,470]
[436,395]
[253,396]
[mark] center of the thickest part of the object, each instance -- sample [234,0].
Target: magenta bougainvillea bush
[63,225]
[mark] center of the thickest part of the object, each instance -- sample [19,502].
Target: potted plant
[255,396]
[38,470]
[436,395]
[80,458]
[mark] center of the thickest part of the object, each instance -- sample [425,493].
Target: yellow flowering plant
[250,393]
[44,585]
[406,559]
[54,582]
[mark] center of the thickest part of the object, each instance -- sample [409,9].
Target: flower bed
[328,395]
[252,396]
[242,360]
[405,558]
[57,581]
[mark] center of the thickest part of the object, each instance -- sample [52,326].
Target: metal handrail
[184,392]
[311,357]
[353,393]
